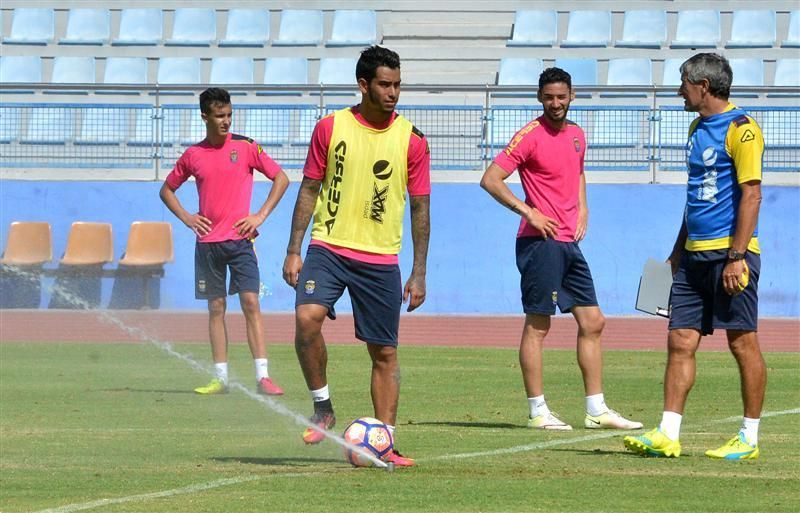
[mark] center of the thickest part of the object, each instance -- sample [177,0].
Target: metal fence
[644,136]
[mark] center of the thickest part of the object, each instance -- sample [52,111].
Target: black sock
[323,406]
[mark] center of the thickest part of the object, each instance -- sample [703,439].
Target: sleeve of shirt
[419,166]
[745,144]
[262,162]
[180,173]
[317,158]
[515,153]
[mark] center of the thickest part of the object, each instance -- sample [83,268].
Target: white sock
[391,430]
[538,406]
[750,430]
[221,371]
[596,405]
[262,369]
[671,424]
[320,394]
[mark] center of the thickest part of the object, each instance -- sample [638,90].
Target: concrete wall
[471,267]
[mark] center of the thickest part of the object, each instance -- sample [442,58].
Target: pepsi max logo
[382,170]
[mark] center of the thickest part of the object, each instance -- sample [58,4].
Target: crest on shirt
[577,143]
[234,156]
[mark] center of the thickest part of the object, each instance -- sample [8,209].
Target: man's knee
[217,306]
[683,342]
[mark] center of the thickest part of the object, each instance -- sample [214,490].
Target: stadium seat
[72,70]
[353,28]
[285,71]
[178,70]
[793,35]
[268,126]
[582,71]
[31,26]
[752,29]
[231,71]
[534,28]
[337,71]
[246,27]
[196,130]
[141,27]
[303,123]
[672,72]
[144,125]
[193,27]
[643,29]
[588,29]
[28,243]
[87,27]
[787,73]
[747,73]
[519,71]
[697,29]
[619,127]
[629,72]
[103,126]
[9,124]
[20,69]
[49,125]
[89,244]
[125,70]
[149,247]
[299,28]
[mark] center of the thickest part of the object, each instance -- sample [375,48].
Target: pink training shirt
[419,174]
[224,177]
[550,164]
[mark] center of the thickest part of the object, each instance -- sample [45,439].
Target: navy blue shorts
[553,273]
[211,262]
[699,301]
[376,292]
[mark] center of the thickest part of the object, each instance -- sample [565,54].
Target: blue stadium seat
[752,29]
[643,29]
[619,127]
[268,126]
[125,70]
[519,71]
[73,70]
[672,71]
[629,72]
[49,125]
[20,69]
[303,122]
[582,71]
[747,73]
[697,29]
[285,71]
[178,70]
[87,27]
[141,27]
[9,124]
[353,28]
[337,71]
[246,27]
[534,28]
[588,29]
[103,126]
[193,27]
[787,73]
[793,35]
[31,26]
[299,28]
[231,70]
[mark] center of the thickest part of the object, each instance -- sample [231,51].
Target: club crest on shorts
[234,156]
[310,287]
[554,297]
[201,285]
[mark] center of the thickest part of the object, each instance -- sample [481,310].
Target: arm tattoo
[420,231]
[303,209]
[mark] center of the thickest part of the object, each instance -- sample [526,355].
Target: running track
[647,333]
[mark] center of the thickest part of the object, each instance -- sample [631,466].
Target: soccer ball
[371,436]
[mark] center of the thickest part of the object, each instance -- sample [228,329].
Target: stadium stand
[286,70]
[643,29]
[269,126]
[193,27]
[752,29]
[588,29]
[125,70]
[231,70]
[9,124]
[140,27]
[247,27]
[103,125]
[299,27]
[31,26]
[89,244]
[20,69]
[672,71]
[629,72]
[697,29]
[28,243]
[353,28]
[87,27]
[747,72]
[73,70]
[519,71]
[337,71]
[793,36]
[583,72]
[179,70]
[787,72]
[49,125]
[534,28]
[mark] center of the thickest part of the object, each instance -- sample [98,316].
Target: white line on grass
[245,479]
[586,438]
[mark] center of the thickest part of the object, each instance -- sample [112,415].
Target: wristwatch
[735,255]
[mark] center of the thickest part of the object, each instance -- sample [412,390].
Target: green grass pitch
[115,428]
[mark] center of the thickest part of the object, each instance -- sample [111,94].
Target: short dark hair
[712,67]
[553,75]
[211,96]
[371,58]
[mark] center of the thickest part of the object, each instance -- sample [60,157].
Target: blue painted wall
[471,267]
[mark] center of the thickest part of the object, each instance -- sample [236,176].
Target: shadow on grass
[287,461]
[480,425]
[148,390]
[595,452]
